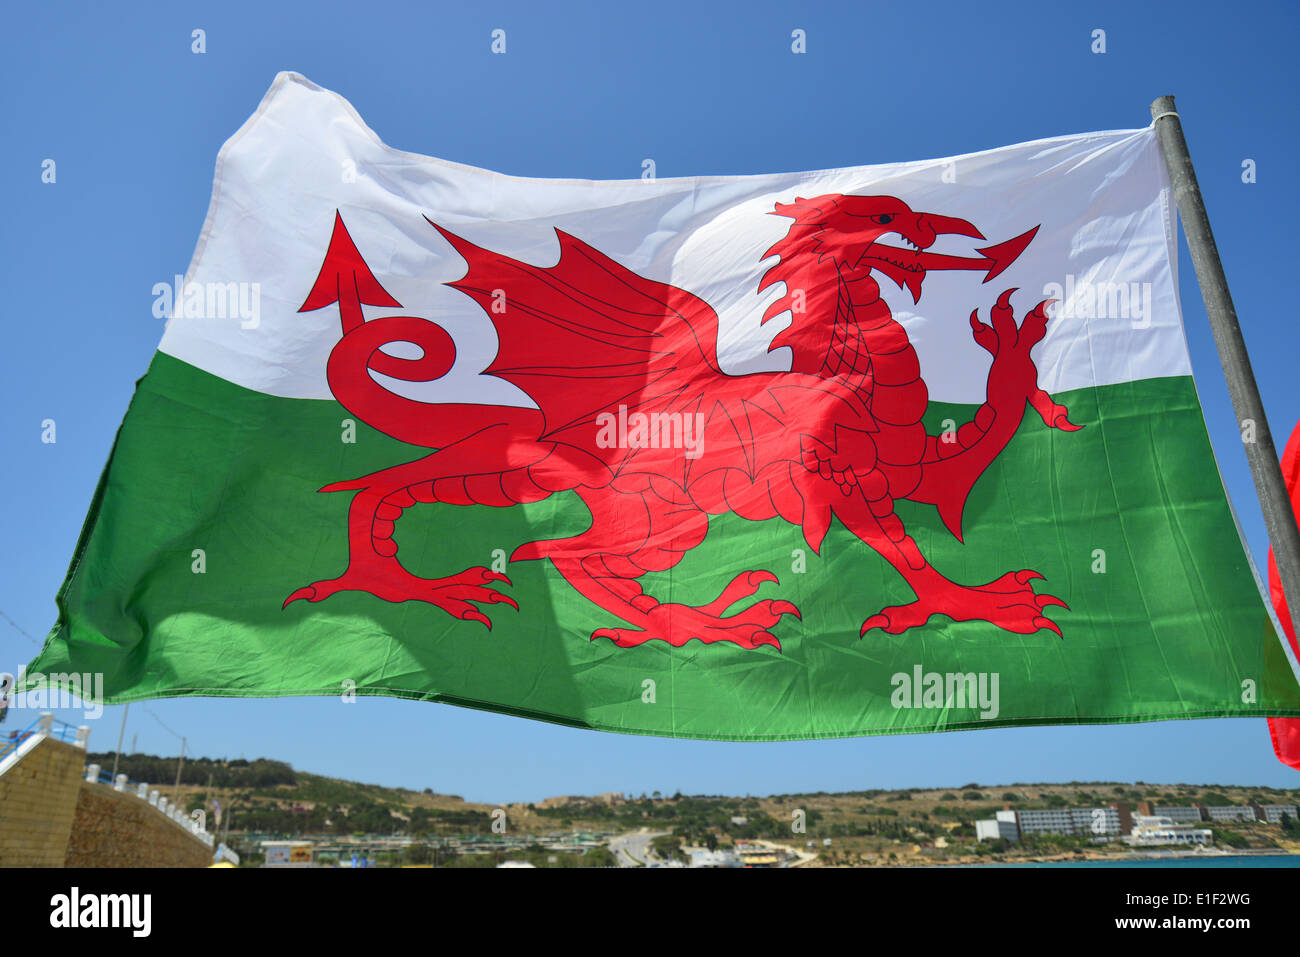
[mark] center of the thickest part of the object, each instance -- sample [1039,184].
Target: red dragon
[592,342]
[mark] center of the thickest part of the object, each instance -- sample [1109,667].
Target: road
[802,855]
[633,850]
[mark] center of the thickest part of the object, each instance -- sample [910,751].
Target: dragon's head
[851,232]
[837,238]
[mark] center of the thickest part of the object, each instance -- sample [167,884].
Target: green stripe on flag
[1172,628]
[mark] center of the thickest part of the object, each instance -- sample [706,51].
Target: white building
[1048,821]
[714,859]
[1095,820]
[1223,815]
[1273,812]
[1150,831]
[1002,825]
[1180,815]
[1074,820]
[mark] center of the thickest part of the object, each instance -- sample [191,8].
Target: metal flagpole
[121,731]
[1279,518]
[179,764]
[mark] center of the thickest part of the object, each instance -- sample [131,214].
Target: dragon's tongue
[913,283]
[992,260]
[944,261]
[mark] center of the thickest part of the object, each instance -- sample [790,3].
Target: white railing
[19,743]
[195,824]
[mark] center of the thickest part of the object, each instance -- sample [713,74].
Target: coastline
[1144,858]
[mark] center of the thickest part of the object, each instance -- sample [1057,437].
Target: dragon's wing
[587,335]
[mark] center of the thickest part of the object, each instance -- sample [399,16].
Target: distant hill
[270,798]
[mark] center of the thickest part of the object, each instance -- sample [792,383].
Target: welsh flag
[896,448]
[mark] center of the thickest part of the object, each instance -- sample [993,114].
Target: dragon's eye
[883,220]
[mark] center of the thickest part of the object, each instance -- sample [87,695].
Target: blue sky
[134,121]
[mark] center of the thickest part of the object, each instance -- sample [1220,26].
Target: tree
[1215,799]
[598,857]
[668,847]
[1231,838]
[418,854]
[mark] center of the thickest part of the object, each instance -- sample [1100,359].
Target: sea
[1208,861]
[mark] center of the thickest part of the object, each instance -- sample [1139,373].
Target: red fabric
[623,371]
[1286,731]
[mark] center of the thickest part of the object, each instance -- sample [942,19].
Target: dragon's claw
[742,586]
[677,624]
[875,621]
[457,595]
[307,592]
[473,614]
[1013,379]
[1049,624]
[786,608]
[1009,602]
[984,335]
[1062,421]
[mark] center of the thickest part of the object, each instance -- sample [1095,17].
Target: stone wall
[38,803]
[119,829]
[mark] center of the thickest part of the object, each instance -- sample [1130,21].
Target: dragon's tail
[358,354]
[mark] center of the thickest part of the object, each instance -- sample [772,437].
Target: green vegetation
[535,855]
[1231,838]
[264,798]
[1055,843]
[669,848]
[151,769]
[696,820]
[1214,799]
